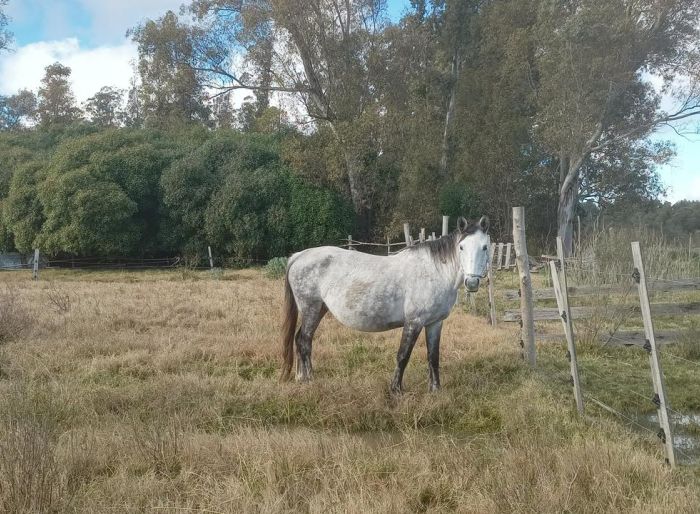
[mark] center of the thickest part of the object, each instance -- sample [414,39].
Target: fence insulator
[661,435]
[656,400]
[568,355]
[522,344]
[563,315]
[636,276]
[647,346]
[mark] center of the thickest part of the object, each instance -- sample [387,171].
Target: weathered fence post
[350,242]
[527,340]
[432,236]
[500,256]
[388,246]
[421,237]
[492,298]
[445,225]
[509,248]
[211,260]
[35,267]
[407,234]
[561,291]
[659,399]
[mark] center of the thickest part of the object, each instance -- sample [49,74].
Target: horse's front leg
[432,341]
[408,339]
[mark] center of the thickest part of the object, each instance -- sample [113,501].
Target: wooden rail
[658,309]
[657,285]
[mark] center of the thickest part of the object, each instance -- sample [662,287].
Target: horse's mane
[444,249]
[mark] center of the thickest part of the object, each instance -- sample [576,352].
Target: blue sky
[89,36]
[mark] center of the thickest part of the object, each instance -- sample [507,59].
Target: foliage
[276,267]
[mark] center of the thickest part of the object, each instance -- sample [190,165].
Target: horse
[415,288]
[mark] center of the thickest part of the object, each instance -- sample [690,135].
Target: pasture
[158,391]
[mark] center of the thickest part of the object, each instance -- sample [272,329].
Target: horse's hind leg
[311,316]
[408,339]
[432,341]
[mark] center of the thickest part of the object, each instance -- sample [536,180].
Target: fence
[619,332]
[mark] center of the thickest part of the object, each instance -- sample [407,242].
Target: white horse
[413,289]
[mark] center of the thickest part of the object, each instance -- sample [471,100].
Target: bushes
[140,192]
[276,267]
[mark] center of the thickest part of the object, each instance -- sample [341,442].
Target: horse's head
[473,251]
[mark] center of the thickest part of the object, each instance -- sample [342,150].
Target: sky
[89,36]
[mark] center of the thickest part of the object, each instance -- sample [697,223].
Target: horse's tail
[290,324]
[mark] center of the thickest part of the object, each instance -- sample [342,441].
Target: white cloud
[92,68]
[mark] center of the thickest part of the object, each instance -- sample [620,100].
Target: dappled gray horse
[413,289]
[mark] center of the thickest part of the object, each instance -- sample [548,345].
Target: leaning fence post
[527,340]
[500,256]
[659,399]
[35,267]
[407,234]
[492,299]
[211,260]
[421,236]
[561,291]
[445,225]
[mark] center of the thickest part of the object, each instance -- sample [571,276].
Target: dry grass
[159,392]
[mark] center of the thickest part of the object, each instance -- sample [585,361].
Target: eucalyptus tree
[57,106]
[5,34]
[104,108]
[18,110]
[324,52]
[171,90]
[592,60]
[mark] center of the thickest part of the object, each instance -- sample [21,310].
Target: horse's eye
[461,247]
[485,248]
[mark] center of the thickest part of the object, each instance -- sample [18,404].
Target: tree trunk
[450,114]
[568,199]
[358,191]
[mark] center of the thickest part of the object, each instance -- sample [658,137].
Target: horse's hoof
[434,388]
[396,390]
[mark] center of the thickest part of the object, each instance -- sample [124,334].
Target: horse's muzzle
[472,284]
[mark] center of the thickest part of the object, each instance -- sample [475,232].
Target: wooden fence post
[527,340]
[211,260]
[445,225]
[433,236]
[659,399]
[500,256]
[561,291]
[492,298]
[350,242]
[35,267]
[407,234]
[421,237]
[388,246]
[509,248]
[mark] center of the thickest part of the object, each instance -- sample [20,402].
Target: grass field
[159,392]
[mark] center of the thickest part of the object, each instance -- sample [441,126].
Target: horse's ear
[484,223]
[462,224]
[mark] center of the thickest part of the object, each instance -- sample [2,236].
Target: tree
[18,110]
[56,101]
[589,63]
[171,91]
[104,108]
[327,57]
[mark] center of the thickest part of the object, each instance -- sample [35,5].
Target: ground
[159,391]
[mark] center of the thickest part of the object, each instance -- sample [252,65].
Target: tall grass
[154,393]
[605,257]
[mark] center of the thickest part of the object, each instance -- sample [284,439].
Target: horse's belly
[366,316]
